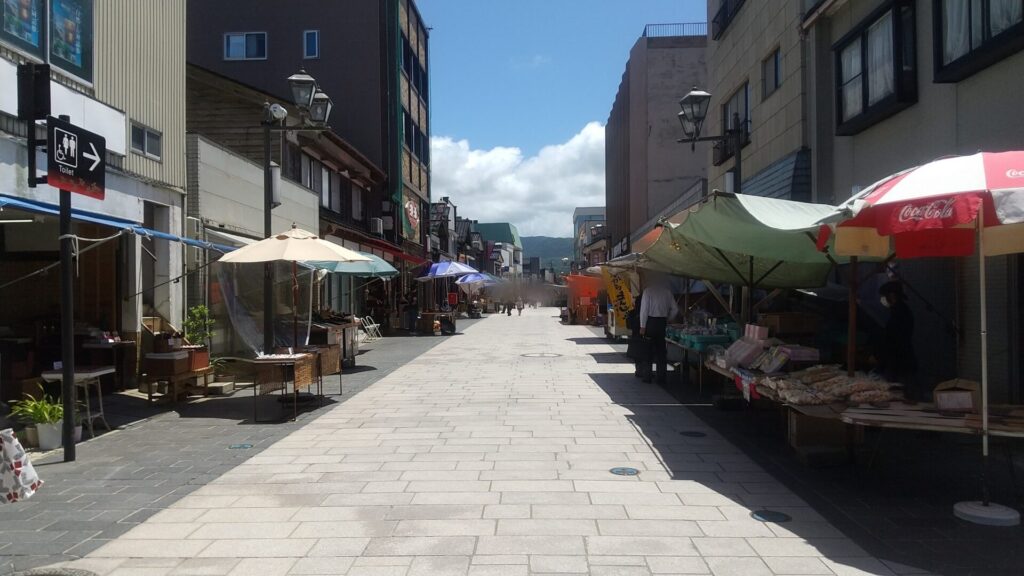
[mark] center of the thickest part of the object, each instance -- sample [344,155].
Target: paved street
[484,458]
[156,456]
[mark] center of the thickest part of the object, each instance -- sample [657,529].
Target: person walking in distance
[657,307]
[519,306]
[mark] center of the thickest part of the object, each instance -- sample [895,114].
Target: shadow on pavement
[898,511]
[591,340]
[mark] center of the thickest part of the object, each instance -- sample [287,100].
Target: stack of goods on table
[826,385]
[700,336]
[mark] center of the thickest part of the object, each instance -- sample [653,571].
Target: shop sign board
[75,159]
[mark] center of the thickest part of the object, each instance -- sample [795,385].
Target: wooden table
[1005,421]
[175,382]
[86,376]
[283,362]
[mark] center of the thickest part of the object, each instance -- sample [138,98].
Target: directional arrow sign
[75,159]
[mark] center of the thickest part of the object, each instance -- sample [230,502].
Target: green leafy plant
[42,410]
[199,325]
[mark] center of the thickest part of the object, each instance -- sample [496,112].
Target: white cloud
[537,194]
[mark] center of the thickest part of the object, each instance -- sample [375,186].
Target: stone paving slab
[158,456]
[502,468]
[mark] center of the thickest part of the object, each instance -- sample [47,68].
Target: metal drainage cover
[541,355]
[56,572]
[239,446]
[624,471]
[770,516]
[693,434]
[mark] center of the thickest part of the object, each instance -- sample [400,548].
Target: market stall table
[303,371]
[427,319]
[122,355]
[1005,421]
[180,383]
[86,376]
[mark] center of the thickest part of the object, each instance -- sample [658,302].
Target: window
[311,44]
[335,192]
[146,141]
[357,202]
[245,46]
[736,107]
[771,74]
[971,35]
[876,68]
[408,130]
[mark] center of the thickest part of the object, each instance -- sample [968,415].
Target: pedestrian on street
[637,347]
[508,307]
[519,306]
[657,307]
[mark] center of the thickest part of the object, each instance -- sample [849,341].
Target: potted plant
[199,332]
[223,379]
[46,414]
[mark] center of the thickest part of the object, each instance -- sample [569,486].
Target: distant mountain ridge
[546,248]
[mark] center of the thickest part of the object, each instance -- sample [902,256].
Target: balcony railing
[725,149]
[726,12]
[677,29]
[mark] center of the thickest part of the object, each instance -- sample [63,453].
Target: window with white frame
[245,46]
[876,68]
[771,73]
[311,44]
[146,141]
[971,35]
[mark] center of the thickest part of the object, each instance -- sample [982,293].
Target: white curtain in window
[1004,13]
[850,74]
[881,81]
[956,38]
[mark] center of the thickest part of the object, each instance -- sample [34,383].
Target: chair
[372,329]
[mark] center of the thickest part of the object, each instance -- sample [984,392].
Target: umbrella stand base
[991,515]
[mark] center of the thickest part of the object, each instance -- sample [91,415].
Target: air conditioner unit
[377,226]
[195,227]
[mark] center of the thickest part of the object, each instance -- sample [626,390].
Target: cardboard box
[804,430]
[162,364]
[957,395]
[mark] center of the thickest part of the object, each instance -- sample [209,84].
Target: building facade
[835,94]
[646,169]
[117,69]
[372,61]
[584,219]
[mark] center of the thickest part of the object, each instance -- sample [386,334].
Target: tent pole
[982,285]
[851,321]
[295,305]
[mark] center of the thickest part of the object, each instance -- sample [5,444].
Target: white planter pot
[77,435]
[32,436]
[49,435]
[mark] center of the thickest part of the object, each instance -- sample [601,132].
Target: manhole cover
[770,516]
[624,471]
[540,355]
[692,434]
[239,446]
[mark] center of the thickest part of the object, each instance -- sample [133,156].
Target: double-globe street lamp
[695,111]
[315,108]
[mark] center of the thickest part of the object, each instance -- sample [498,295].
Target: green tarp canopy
[743,240]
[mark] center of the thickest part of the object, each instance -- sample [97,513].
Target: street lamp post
[695,111]
[315,107]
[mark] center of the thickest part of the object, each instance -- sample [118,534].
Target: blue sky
[530,73]
[520,91]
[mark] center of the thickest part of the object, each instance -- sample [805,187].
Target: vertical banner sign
[411,216]
[619,294]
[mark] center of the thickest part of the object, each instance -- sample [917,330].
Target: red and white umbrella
[936,208]
[955,206]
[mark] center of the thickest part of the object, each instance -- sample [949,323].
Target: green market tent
[743,240]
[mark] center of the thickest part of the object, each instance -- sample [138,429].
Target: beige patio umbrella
[295,245]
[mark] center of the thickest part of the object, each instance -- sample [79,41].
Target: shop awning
[82,216]
[744,240]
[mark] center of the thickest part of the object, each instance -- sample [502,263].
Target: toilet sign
[75,159]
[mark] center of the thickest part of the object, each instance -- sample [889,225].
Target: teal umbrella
[375,267]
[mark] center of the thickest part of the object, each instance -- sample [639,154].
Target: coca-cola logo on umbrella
[1014,173]
[937,210]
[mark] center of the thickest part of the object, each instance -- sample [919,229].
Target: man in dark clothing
[896,359]
[637,348]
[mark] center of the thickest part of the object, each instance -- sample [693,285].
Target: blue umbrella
[480,278]
[375,267]
[447,270]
